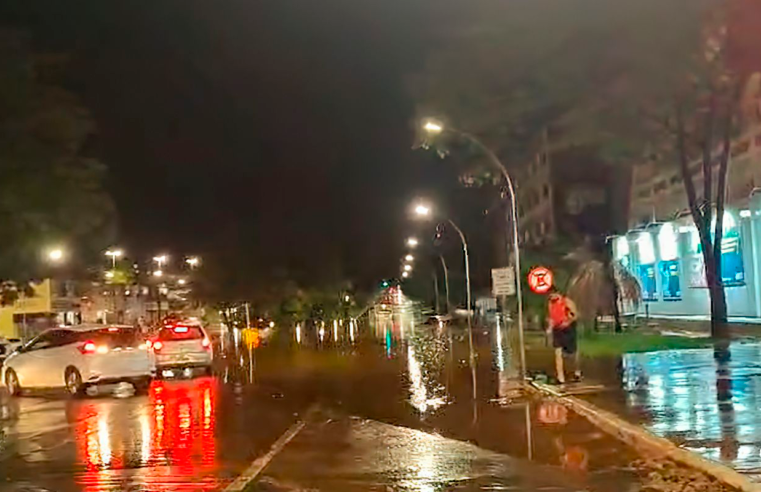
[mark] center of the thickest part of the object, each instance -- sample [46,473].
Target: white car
[78,357]
[181,347]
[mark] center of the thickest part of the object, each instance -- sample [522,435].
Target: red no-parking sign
[540,279]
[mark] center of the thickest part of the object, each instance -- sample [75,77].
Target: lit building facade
[665,255]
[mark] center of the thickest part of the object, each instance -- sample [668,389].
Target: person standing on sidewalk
[561,323]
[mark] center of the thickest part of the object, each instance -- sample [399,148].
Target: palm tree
[599,286]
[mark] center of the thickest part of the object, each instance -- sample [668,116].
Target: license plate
[167,373]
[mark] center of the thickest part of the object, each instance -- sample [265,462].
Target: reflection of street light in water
[298,334]
[418,392]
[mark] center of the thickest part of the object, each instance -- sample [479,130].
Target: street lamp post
[424,211]
[446,281]
[434,128]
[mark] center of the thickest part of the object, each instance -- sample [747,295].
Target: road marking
[253,471]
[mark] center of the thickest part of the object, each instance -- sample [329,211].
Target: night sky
[271,137]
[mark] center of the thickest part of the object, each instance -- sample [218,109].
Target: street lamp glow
[409,258]
[407,268]
[422,210]
[55,255]
[347,298]
[160,259]
[433,127]
[412,242]
[193,261]
[114,253]
[405,274]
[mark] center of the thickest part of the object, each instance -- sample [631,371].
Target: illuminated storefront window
[670,280]
[646,270]
[622,251]
[732,267]
[668,245]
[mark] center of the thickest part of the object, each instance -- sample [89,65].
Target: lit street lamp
[55,255]
[193,261]
[433,128]
[407,268]
[412,242]
[409,258]
[160,260]
[114,254]
[405,274]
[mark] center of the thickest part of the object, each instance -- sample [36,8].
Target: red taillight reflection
[157,345]
[88,348]
[170,440]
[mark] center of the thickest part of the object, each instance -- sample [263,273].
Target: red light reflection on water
[164,444]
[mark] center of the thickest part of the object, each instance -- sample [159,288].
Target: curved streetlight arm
[516,247]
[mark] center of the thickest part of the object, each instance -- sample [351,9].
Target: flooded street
[394,409]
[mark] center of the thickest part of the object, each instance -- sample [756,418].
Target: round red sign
[540,279]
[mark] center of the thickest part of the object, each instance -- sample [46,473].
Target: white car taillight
[88,348]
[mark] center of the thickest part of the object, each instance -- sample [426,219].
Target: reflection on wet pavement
[410,384]
[707,400]
[353,454]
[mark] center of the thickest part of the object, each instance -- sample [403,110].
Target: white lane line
[261,462]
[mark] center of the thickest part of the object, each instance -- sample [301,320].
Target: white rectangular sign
[503,281]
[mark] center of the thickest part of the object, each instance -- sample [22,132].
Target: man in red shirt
[561,322]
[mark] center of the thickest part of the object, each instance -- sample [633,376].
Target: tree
[50,191]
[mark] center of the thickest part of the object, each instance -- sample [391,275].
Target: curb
[647,443]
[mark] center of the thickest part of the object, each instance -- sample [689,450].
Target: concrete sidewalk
[705,400]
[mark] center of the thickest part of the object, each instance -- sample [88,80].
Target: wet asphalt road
[394,411]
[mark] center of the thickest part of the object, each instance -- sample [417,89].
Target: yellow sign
[251,337]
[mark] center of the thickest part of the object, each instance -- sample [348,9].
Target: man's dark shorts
[565,339]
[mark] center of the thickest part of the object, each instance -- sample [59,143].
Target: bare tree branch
[689,184]
[707,145]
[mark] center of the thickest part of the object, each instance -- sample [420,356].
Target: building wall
[37,305]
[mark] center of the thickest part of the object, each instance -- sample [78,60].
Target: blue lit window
[732,268]
[672,290]
[647,279]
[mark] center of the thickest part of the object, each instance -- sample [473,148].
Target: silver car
[181,348]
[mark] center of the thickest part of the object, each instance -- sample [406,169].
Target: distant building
[53,303]
[569,192]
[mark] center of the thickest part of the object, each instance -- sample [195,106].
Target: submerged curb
[648,443]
